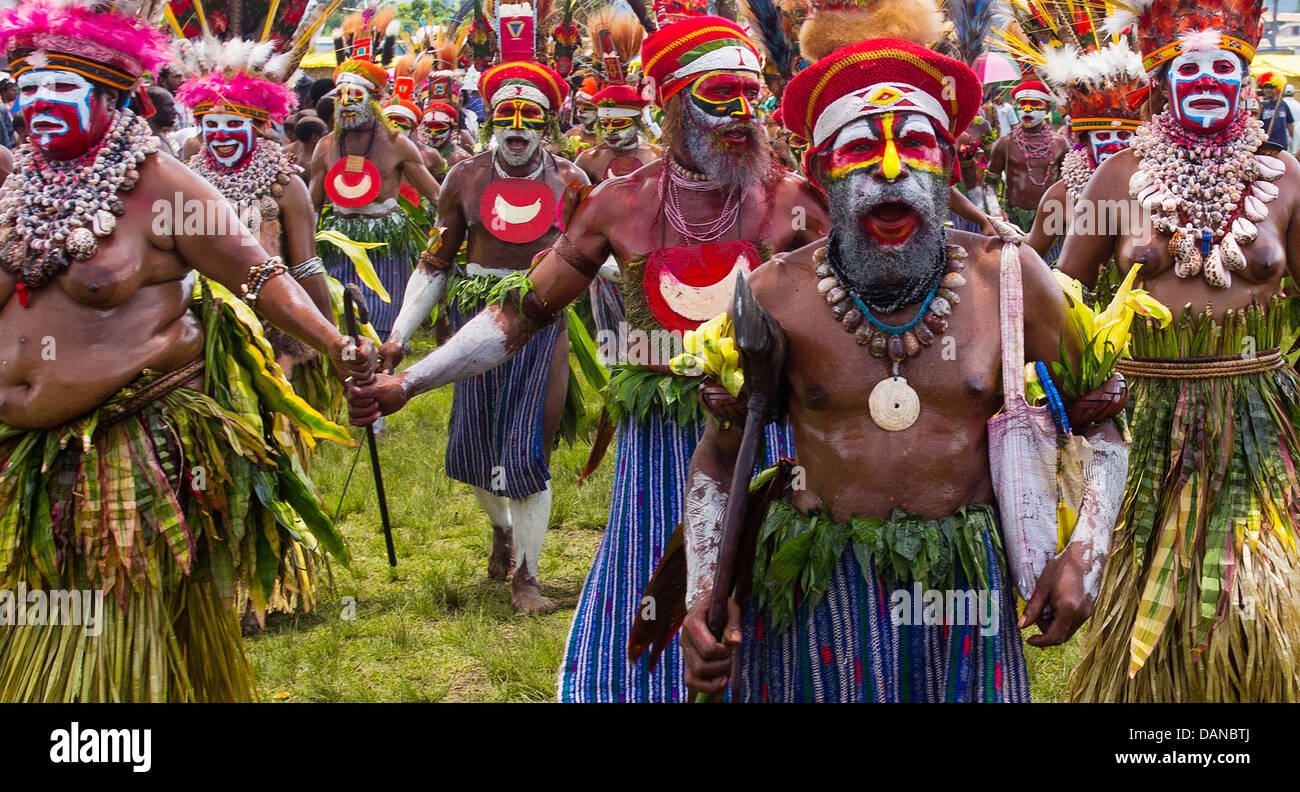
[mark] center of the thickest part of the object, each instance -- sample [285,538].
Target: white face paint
[56,88]
[1203,89]
[228,136]
[1106,143]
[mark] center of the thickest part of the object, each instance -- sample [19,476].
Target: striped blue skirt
[393,262]
[495,442]
[849,648]
[650,470]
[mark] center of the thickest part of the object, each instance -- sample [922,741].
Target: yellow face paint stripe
[891,167]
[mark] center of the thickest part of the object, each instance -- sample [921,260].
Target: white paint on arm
[423,291]
[479,346]
[705,503]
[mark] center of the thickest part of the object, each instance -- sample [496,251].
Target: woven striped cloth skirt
[649,481]
[849,649]
[606,307]
[496,442]
[393,262]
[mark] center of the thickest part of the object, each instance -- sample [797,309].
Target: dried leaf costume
[175,491]
[1198,602]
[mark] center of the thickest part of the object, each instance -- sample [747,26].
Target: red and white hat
[673,56]
[618,101]
[1033,89]
[523,80]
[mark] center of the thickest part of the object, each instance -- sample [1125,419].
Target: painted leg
[497,509]
[528,518]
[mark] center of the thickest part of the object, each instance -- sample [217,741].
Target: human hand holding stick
[352,304]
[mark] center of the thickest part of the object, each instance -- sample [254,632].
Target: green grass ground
[437,629]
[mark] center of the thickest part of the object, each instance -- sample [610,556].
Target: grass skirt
[167,511]
[1198,601]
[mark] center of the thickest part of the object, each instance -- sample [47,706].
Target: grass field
[437,629]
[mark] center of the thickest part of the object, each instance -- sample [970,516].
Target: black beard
[743,168]
[889,278]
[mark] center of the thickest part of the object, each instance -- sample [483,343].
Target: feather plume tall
[766,18]
[972,22]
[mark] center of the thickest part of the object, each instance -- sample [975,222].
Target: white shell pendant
[1139,181]
[1215,274]
[894,405]
[1254,209]
[1231,254]
[1264,191]
[103,223]
[1244,230]
[1270,168]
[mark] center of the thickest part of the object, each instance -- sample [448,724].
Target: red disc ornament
[688,285]
[353,181]
[518,210]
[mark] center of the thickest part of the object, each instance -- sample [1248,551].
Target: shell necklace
[1205,192]
[52,213]
[1037,146]
[894,404]
[254,186]
[1076,169]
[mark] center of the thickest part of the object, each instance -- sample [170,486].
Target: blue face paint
[1203,89]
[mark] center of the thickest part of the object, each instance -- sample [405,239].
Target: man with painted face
[1274,113]
[1028,160]
[137,452]
[405,115]
[891,432]
[622,148]
[584,134]
[358,170]
[440,131]
[1199,602]
[682,230]
[503,204]
[1094,78]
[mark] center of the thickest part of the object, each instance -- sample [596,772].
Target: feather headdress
[972,22]
[616,37]
[1091,71]
[112,42]
[1167,28]
[239,61]
[775,28]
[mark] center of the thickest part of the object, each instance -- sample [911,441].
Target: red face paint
[729,95]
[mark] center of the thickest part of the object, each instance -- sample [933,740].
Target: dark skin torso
[1008,162]
[126,308]
[941,462]
[1055,199]
[452,156]
[595,162]
[395,156]
[1272,255]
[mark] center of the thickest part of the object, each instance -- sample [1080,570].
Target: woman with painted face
[1198,601]
[1094,78]
[140,455]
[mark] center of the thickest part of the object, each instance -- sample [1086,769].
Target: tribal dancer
[139,457]
[234,90]
[683,230]
[504,204]
[404,115]
[912,460]
[1199,598]
[1094,78]
[1028,160]
[361,165]
[582,135]
[440,125]
[621,151]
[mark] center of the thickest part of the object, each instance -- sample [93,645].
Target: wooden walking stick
[352,305]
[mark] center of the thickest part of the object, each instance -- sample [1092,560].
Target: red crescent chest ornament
[353,181]
[518,210]
[688,285]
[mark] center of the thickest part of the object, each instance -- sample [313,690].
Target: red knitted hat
[877,76]
[1032,89]
[618,97]
[676,54]
[523,80]
[441,107]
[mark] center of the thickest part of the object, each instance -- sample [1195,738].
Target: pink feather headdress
[121,43]
[240,93]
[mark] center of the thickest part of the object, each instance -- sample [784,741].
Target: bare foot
[525,595]
[502,557]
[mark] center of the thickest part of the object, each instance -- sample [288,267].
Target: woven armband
[574,258]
